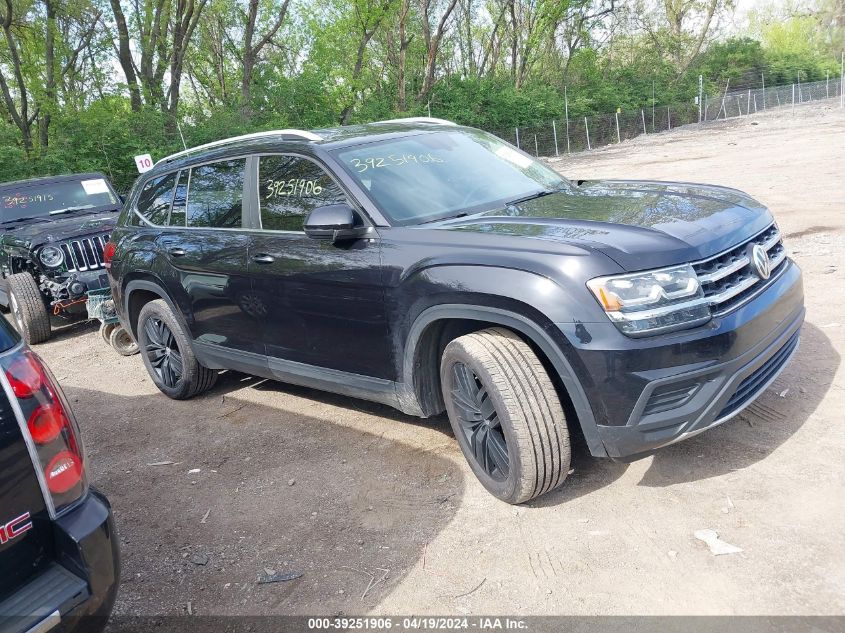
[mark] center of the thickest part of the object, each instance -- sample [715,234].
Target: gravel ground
[380,514]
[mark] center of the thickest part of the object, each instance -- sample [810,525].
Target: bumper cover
[80,587]
[704,398]
[650,392]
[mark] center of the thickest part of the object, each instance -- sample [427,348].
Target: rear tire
[168,355]
[27,307]
[506,414]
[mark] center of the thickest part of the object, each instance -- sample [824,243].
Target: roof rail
[420,119]
[299,134]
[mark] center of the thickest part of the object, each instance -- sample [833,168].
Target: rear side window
[215,195]
[155,198]
[289,187]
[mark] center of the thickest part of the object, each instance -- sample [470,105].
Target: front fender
[525,302]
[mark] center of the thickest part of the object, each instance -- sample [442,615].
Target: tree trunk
[404,42]
[50,75]
[346,114]
[433,45]
[251,53]
[20,116]
[124,56]
[248,60]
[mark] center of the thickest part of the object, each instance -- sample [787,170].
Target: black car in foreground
[435,267]
[52,234]
[58,546]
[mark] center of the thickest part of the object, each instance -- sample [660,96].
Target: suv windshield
[428,177]
[43,199]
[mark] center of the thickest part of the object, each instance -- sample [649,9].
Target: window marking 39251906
[393,160]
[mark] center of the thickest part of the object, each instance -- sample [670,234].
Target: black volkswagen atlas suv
[434,268]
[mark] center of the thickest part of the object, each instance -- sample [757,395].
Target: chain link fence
[577,134]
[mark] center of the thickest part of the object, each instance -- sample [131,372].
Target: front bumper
[651,392]
[77,591]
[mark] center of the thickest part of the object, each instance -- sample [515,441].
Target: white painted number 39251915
[144,163]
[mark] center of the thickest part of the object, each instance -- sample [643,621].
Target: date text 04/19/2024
[430,623]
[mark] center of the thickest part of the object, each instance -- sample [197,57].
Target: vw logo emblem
[760,261]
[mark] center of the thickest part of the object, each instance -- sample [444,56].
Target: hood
[59,229]
[638,224]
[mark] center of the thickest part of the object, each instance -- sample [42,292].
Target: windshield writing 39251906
[393,160]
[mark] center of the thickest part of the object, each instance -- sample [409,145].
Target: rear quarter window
[155,199]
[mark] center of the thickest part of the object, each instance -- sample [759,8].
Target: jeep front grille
[85,253]
[728,280]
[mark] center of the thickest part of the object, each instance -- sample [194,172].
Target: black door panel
[210,272]
[324,303]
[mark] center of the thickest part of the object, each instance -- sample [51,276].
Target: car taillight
[25,376]
[50,426]
[46,423]
[108,253]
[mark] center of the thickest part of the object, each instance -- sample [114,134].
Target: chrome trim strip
[639,315]
[85,253]
[30,445]
[713,300]
[733,248]
[730,293]
[301,134]
[760,289]
[769,244]
[50,622]
[778,259]
[724,272]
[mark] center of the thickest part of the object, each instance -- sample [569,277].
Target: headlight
[654,301]
[51,256]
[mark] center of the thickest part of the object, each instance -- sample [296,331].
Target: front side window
[215,195]
[155,198]
[289,187]
[431,176]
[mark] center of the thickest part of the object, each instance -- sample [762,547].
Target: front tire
[506,414]
[168,355]
[27,307]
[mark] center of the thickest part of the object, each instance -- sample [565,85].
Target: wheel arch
[439,324]
[140,291]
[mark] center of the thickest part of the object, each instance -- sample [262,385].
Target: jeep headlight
[653,301]
[51,256]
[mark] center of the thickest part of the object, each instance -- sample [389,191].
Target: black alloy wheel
[163,352]
[479,422]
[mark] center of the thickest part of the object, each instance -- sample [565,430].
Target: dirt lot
[342,490]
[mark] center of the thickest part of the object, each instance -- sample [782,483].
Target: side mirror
[335,222]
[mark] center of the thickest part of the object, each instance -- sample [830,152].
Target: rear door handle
[263,258]
[177,252]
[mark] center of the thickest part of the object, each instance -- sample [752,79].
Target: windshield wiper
[71,210]
[533,196]
[462,214]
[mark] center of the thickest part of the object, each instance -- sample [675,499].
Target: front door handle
[263,258]
[177,252]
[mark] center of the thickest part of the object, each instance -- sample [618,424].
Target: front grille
[755,382]
[728,280]
[85,253]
